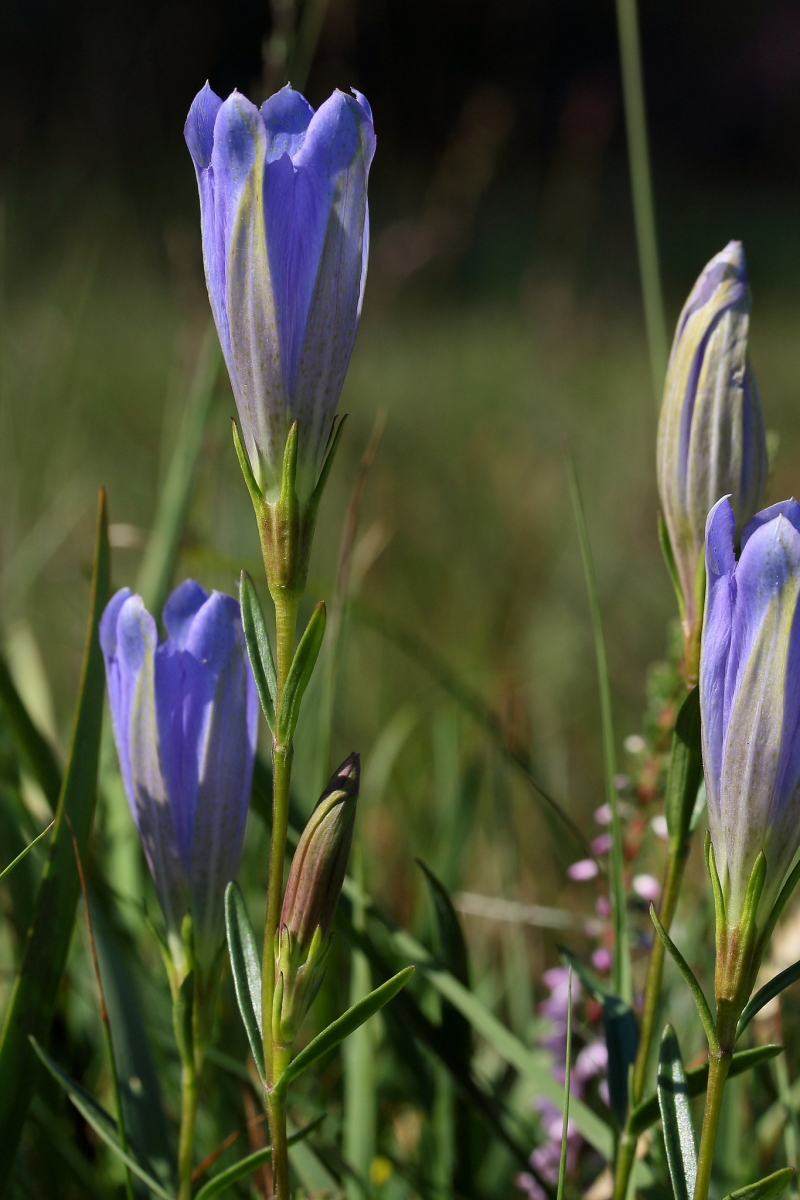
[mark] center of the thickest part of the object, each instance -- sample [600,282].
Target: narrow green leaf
[676,1117]
[247,470]
[669,559]
[562,1165]
[182,1019]
[26,851]
[622,980]
[101,1121]
[246,968]
[763,996]
[453,958]
[259,650]
[765,1189]
[688,974]
[303,663]
[158,561]
[30,1010]
[342,1027]
[646,1113]
[685,769]
[33,750]
[246,1166]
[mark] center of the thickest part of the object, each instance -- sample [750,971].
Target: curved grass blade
[33,750]
[246,968]
[158,561]
[621,978]
[33,998]
[646,1113]
[101,1121]
[763,996]
[562,1165]
[407,640]
[26,851]
[765,1189]
[342,1027]
[259,650]
[246,1166]
[453,958]
[676,1117]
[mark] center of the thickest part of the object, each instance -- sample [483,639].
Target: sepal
[298,978]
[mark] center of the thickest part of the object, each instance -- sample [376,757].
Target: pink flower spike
[584,869]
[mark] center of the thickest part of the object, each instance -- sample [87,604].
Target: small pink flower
[585,868]
[659,827]
[602,959]
[647,886]
[601,844]
[602,906]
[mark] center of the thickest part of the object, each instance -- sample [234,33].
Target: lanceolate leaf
[766,1188]
[33,750]
[562,1166]
[305,659]
[646,1113]
[763,996]
[454,958]
[31,1008]
[101,1122]
[246,968]
[676,1117]
[259,650]
[24,852]
[343,1026]
[685,769]
[246,1166]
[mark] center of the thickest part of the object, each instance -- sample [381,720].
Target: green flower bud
[309,905]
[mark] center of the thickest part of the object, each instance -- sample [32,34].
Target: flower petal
[286,117]
[181,609]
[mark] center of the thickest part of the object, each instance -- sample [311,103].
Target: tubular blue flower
[185,719]
[750,700]
[711,437]
[283,204]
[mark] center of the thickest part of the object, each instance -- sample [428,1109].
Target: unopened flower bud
[320,860]
[711,437]
[309,905]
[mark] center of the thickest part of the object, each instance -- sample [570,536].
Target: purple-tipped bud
[283,211]
[711,436]
[185,719]
[320,860]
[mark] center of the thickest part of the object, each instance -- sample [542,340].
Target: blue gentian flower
[283,201]
[185,719]
[750,698]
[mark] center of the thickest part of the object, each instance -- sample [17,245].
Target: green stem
[717,1074]
[642,190]
[673,876]
[189,1092]
[286,606]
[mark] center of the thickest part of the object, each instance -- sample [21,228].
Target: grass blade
[343,1026]
[26,851]
[676,1117]
[246,1166]
[33,999]
[621,979]
[101,1121]
[33,750]
[642,191]
[155,573]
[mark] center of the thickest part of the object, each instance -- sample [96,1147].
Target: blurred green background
[502,314]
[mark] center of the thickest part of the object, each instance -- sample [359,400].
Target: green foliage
[676,1117]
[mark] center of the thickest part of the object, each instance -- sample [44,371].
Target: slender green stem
[189,1093]
[642,189]
[286,606]
[673,876]
[717,1074]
